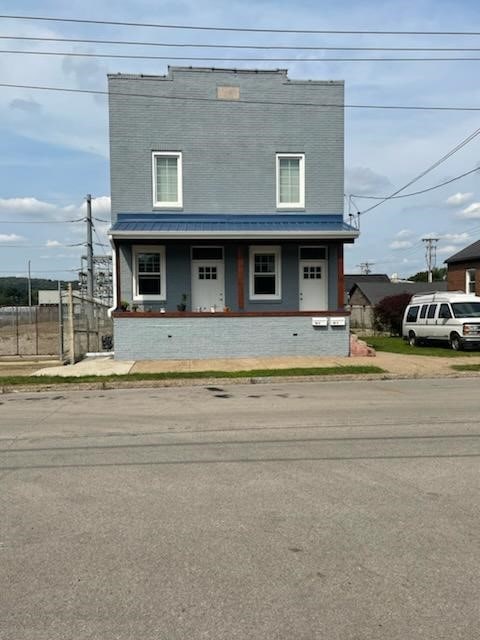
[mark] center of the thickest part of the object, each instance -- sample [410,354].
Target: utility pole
[89,248]
[430,255]
[365,268]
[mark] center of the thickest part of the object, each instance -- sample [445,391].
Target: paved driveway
[337,510]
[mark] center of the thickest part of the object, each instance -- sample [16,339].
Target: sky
[54,146]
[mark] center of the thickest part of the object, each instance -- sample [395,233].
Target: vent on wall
[228,93]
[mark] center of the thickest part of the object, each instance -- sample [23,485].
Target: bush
[388,313]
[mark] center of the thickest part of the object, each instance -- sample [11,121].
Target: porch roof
[233,226]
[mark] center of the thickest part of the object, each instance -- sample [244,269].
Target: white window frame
[144,248]
[277,252]
[470,280]
[301,176]
[159,204]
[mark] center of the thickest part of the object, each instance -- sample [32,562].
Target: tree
[388,313]
[438,273]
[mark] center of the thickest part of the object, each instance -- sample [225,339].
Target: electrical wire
[448,155]
[260,47]
[416,193]
[239,29]
[234,102]
[126,56]
[41,221]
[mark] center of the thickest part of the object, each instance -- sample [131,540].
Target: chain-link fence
[70,330]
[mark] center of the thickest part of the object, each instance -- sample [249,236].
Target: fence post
[16,330]
[36,330]
[61,353]
[71,326]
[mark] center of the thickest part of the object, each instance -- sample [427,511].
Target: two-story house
[227,214]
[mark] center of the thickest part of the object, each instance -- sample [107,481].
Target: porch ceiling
[232,226]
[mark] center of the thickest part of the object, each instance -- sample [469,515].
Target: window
[149,272]
[423,310]
[444,312]
[431,311]
[313,253]
[412,314]
[167,179]
[290,180]
[265,273]
[470,281]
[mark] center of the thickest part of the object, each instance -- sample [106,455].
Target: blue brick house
[227,214]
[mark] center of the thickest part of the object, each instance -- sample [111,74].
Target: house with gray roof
[227,214]
[366,295]
[463,270]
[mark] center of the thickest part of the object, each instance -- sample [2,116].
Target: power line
[450,153]
[240,29]
[126,56]
[416,193]
[201,45]
[41,221]
[233,102]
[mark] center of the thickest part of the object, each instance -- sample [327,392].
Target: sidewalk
[396,365]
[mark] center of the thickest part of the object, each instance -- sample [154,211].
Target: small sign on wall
[337,322]
[319,322]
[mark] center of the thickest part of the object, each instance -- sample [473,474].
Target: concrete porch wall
[186,338]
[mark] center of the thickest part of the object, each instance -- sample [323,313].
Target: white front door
[313,285]
[208,285]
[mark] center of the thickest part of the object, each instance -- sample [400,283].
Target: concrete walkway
[397,365]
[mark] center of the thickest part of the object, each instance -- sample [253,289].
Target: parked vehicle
[443,316]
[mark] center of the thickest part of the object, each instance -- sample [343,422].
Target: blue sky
[54,146]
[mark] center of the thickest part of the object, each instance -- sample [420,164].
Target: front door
[313,285]
[208,285]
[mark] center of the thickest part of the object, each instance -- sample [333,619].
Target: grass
[190,375]
[466,367]
[398,345]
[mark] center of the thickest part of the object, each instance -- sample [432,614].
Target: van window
[412,314]
[423,310]
[431,311]
[444,312]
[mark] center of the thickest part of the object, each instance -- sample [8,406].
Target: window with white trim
[470,281]
[265,273]
[149,272]
[290,180]
[167,179]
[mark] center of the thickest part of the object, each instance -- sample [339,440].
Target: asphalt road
[336,510]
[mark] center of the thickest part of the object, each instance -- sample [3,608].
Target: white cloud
[10,237]
[456,238]
[404,233]
[400,244]
[472,211]
[458,199]
[25,206]
[53,243]
[364,181]
[447,250]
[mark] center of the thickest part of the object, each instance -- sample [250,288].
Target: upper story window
[290,180]
[167,179]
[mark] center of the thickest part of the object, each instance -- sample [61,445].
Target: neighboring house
[227,214]
[351,279]
[463,270]
[365,295]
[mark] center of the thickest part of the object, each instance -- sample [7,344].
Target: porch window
[290,180]
[265,273]
[149,272]
[167,179]
[470,283]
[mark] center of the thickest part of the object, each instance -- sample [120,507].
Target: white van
[450,316]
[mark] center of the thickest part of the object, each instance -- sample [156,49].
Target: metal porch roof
[182,225]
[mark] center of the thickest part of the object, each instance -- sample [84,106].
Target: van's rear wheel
[412,339]
[456,342]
